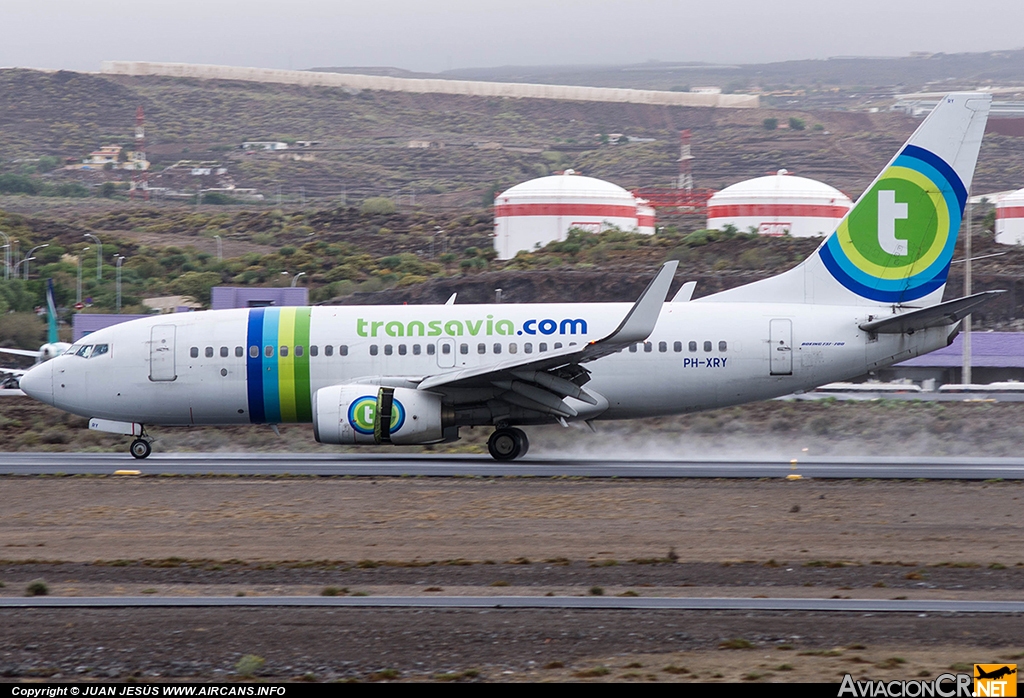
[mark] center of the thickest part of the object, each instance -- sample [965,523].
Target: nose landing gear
[508,443]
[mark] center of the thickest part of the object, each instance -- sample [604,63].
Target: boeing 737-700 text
[869,296]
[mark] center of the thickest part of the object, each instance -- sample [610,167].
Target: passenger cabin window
[298,350]
[662,347]
[329,350]
[677,347]
[481,348]
[512,348]
[343,350]
[254,352]
[497,348]
[240,352]
[373,350]
[722,346]
[558,345]
[268,351]
[528,348]
[388,350]
[707,346]
[193,352]
[224,352]
[446,349]
[431,349]
[402,350]
[314,350]
[543,346]
[648,347]
[463,348]
[632,348]
[416,349]
[693,346]
[209,352]
[284,350]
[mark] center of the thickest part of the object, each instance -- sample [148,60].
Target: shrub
[377,205]
[249,665]
[796,124]
[37,588]
[770,124]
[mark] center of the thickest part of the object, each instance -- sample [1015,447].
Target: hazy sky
[435,36]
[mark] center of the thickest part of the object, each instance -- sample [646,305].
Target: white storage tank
[534,213]
[1010,219]
[779,204]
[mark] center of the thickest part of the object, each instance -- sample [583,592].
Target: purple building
[995,357]
[224,297]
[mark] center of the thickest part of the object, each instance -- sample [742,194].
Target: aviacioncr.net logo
[900,227]
[362,414]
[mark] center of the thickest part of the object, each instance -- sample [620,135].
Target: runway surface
[583,602]
[257,464]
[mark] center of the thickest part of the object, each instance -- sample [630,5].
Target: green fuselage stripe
[303,398]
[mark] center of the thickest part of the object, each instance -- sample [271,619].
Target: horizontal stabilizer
[685,292]
[939,315]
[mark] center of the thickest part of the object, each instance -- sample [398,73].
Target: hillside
[488,143]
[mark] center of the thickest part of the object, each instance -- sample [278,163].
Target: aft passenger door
[781,347]
[161,353]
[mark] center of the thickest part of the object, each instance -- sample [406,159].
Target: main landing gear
[140,448]
[508,443]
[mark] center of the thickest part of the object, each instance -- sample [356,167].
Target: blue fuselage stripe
[271,388]
[254,366]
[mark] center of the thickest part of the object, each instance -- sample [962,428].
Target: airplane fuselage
[266,365]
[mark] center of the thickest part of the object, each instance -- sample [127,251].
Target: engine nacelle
[357,414]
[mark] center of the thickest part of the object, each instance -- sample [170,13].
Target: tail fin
[51,314]
[895,245]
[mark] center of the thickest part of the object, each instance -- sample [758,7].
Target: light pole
[7,256]
[78,292]
[220,249]
[29,256]
[295,279]
[119,259]
[99,255]
[24,261]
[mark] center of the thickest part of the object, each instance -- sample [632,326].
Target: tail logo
[897,242]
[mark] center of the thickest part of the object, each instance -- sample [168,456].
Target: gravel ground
[225,536]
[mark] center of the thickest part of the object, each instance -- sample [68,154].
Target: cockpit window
[99,350]
[84,351]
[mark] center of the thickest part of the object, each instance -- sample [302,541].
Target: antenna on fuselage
[451,299]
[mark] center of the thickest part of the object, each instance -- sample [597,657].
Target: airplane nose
[38,382]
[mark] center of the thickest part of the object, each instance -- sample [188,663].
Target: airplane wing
[20,352]
[542,383]
[933,316]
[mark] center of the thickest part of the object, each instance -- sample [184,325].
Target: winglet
[643,316]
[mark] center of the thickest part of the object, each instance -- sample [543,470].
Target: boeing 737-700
[869,296]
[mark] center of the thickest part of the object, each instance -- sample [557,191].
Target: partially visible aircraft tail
[895,245]
[51,314]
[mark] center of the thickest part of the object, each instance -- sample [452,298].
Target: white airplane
[53,346]
[868,297]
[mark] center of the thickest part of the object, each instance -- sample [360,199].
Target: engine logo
[362,414]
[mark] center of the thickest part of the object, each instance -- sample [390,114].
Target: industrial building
[779,204]
[534,213]
[1010,218]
